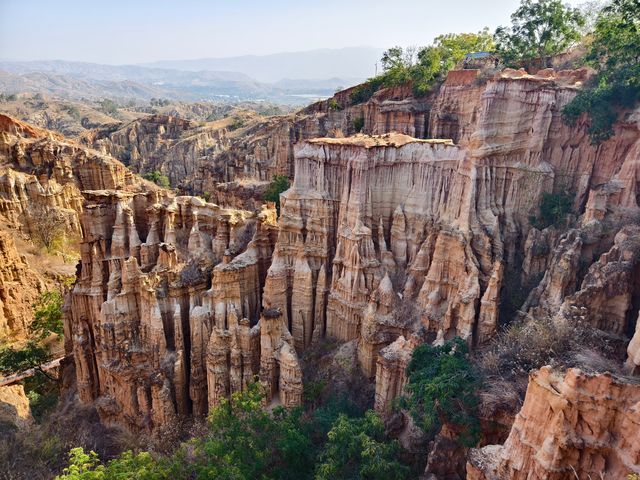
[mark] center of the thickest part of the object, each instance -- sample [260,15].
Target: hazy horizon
[129,33]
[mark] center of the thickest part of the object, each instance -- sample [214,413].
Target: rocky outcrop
[165,315]
[571,426]
[19,289]
[14,408]
[372,223]
[42,172]
[171,145]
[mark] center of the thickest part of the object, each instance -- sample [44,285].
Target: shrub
[47,228]
[441,388]
[365,91]
[357,449]
[332,104]
[14,360]
[109,106]
[554,209]
[358,124]
[279,184]
[158,178]
[237,123]
[47,312]
[614,54]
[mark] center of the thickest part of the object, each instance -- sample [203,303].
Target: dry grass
[533,343]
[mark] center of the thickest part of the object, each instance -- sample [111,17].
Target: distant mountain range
[290,78]
[350,62]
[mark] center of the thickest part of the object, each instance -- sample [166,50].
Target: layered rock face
[164,313]
[232,166]
[171,145]
[576,426]
[373,226]
[19,288]
[41,174]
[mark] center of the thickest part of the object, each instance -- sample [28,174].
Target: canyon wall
[19,288]
[165,315]
[387,237]
[570,426]
[42,175]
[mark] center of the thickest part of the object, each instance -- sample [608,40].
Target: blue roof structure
[475,55]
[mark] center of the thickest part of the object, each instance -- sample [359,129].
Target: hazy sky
[134,31]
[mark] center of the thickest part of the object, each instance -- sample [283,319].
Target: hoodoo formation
[470,217]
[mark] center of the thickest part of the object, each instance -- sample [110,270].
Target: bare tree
[47,227]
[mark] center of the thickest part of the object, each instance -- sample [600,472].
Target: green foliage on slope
[539,29]
[615,54]
[423,67]
[245,441]
[279,184]
[442,388]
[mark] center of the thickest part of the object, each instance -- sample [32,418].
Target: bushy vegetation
[332,104]
[539,29]
[47,315]
[158,178]
[442,388]
[358,448]
[279,184]
[4,97]
[358,124]
[48,229]
[554,209]
[425,66]
[245,441]
[614,53]
[41,388]
[159,102]
[109,106]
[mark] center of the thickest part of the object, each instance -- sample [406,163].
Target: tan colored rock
[14,407]
[151,341]
[571,426]
[280,372]
[20,286]
[391,378]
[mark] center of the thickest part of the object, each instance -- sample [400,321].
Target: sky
[137,31]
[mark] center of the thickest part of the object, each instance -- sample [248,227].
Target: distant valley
[288,78]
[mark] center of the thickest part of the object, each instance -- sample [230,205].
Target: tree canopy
[441,388]
[244,441]
[615,54]
[423,67]
[539,29]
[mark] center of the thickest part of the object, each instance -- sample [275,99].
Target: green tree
[615,54]
[425,66]
[14,360]
[358,449]
[279,184]
[441,388]
[435,61]
[47,315]
[87,466]
[109,106]
[554,208]
[158,178]
[539,29]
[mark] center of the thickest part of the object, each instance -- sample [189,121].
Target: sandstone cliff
[571,426]
[19,288]
[41,174]
[373,223]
